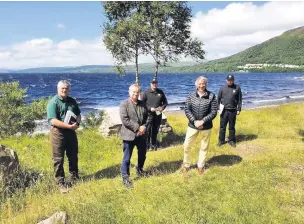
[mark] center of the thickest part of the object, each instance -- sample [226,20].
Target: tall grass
[259,181]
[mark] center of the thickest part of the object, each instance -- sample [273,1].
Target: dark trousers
[227,116]
[128,146]
[64,141]
[152,130]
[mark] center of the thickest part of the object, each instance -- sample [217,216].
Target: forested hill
[286,49]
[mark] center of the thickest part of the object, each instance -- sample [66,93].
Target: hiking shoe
[185,170]
[127,182]
[232,144]
[75,177]
[154,148]
[141,172]
[200,171]
[220,144]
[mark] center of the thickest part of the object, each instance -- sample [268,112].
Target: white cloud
[45,52]
[242,25]
[223,31]
[60,26]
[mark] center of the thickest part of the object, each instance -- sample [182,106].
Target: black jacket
[154,99]
[201,108]
[230,97]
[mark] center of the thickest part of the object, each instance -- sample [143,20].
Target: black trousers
[64,141]
[227,116]
[153,129]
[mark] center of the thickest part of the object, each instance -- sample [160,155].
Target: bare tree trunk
[156,69]
[136,64]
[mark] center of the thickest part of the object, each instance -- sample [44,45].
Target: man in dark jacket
[230,105]
[156,102]
[135,119]
[200,109]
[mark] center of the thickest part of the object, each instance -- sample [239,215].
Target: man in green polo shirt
[63,135]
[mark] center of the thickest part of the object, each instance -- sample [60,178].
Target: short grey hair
[134,85]
[199,79]
[64,82]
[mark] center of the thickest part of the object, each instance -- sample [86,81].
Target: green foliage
[266,186]
[161,29]
[92,120]
[16,116]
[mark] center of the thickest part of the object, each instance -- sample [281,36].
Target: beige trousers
[191,136]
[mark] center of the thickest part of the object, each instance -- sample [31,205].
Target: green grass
[259,181]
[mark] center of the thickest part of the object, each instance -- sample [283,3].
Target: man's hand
[153,109]
[160,109]
[141,131]
[74,126]
[198,123]
[238,112]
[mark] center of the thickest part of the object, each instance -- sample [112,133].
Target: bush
[92,120]
[16,116]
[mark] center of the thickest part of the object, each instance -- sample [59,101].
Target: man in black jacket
[230,104]
[200,109]
[156,102]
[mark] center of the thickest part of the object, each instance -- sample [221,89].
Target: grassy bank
[259,181]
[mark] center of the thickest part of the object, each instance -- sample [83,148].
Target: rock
[111,123]
[56,218]
[9,166]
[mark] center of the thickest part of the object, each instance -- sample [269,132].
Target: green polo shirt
[57,108]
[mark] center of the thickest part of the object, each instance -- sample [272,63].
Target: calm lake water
[97,91]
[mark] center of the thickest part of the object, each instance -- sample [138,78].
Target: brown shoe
[185,170]
[200,171]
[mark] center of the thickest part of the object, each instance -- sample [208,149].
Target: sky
[53,34]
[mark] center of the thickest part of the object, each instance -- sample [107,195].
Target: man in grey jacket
[200,109]
[135,119]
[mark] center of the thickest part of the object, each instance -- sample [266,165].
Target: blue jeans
[128,146]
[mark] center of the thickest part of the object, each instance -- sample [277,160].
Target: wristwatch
[78,124]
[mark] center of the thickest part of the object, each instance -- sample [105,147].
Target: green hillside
[284,49]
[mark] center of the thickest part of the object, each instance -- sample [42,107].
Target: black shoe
[232,144]
[141,172]
[127,182]
[75,177]
[220,144]
[154,148]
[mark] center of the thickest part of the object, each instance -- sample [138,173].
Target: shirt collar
[205,94]
[59,97]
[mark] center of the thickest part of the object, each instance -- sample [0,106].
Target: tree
[15,114]
[124,32]
[169,33]
[160,29]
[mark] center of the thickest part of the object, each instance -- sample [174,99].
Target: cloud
[60,26]
[242,25]
[44,52]
[223,31]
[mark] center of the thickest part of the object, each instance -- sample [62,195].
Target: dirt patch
[296,167]
[249,149]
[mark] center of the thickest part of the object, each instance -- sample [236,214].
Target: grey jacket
[131,121]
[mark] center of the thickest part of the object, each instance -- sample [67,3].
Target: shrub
[16,116]
[92,120]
